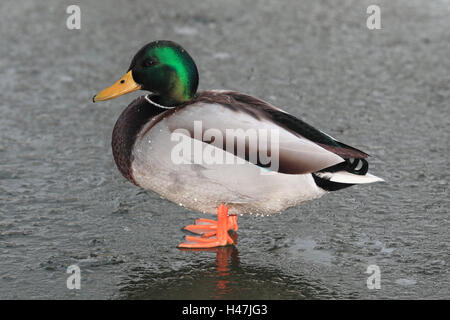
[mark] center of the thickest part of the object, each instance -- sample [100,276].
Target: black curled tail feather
[355,166]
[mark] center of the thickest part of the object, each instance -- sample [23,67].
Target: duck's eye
[149,62]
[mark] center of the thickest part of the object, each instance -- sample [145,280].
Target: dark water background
[63,202]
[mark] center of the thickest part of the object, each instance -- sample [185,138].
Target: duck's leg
[209,228]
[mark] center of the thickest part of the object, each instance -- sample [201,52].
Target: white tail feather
[347,177]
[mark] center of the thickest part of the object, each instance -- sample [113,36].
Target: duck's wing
[301,148]
[262,109]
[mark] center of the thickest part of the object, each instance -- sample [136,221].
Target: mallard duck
[173,141]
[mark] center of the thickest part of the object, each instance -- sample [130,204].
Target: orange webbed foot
[209,228]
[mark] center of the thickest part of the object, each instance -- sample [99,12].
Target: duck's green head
[161,67]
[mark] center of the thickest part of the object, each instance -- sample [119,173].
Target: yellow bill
[126,84]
